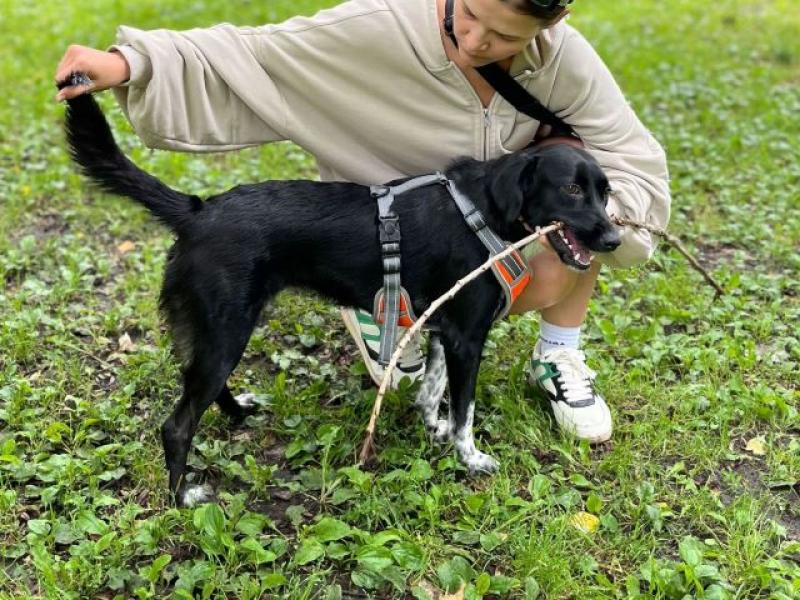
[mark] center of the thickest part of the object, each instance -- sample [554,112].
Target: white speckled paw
[197,494]
[246,401]
[443,432]
[479,463]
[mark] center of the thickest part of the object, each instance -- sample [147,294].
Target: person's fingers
[69,63]
[73,91]
[77,59]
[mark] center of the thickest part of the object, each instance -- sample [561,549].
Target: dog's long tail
[92,146]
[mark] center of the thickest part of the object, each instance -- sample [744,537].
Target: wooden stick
[677,243]
[367,448]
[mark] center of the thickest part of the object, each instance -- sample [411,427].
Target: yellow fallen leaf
[126,247]
[585,522]
[126,344]
[756,446]
[428,587]
[459,595]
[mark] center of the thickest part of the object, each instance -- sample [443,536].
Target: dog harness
[392,305]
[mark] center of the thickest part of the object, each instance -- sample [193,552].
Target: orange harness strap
[512,281]
[406,317]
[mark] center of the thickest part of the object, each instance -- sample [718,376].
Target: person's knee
[551,282]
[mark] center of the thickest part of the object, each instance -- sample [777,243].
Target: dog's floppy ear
[509,182]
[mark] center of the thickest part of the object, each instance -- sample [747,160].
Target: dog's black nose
[610,241]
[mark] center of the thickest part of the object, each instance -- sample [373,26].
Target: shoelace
[575,377]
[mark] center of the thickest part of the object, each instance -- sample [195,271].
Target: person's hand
[105,69]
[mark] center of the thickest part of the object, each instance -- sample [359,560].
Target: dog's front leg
[463,360]
[431,392]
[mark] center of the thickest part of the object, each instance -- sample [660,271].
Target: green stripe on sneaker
[365,322]
[549,371]
[364,317]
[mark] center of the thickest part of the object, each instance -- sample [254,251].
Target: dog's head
[557,183]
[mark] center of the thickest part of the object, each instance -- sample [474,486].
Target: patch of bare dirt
[712,256]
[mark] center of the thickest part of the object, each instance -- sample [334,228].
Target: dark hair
[527,7]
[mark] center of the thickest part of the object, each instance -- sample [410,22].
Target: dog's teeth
[591,258]
[577,257]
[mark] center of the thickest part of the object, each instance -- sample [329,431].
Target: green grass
[685,509]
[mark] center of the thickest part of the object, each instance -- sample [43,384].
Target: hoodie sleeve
[202,90]
[631,158]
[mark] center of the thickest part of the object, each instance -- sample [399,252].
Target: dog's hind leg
[432,390]
[212,361]
[236,407]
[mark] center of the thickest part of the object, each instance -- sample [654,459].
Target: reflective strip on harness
[512,282]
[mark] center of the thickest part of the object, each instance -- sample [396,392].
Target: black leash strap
[505,85]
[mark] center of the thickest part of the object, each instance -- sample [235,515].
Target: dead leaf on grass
[125,247]
[757,446]
[585,522]
[125,344]
[458,595]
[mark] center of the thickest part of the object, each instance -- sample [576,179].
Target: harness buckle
[389,228]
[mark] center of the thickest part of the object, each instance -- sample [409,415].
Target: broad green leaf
[482,583]
[256,551]
[691,551]
[251,524]
[374,558]
[309,551]
[329,529]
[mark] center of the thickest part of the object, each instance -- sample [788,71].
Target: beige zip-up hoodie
[367,89]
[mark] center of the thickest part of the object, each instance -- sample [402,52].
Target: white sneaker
[561,373]
[367,335]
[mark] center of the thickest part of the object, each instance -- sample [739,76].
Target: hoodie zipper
[487,122]
[487,128]
[486,116]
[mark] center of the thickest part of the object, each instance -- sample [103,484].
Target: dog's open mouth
[571,252]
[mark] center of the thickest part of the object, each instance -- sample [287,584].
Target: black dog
[236,250]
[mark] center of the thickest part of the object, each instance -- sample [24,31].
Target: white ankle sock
[554,336]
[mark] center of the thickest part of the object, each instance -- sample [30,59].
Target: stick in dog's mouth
[569,249]
[567,246]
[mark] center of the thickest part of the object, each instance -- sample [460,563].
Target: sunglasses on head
[551,4]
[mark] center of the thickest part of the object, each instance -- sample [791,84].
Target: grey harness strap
[389,235]
[516,268]
[511,272]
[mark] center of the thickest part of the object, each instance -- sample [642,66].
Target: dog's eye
[573,189]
